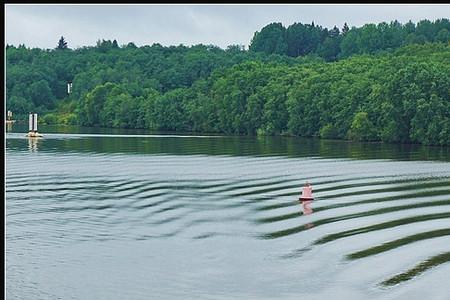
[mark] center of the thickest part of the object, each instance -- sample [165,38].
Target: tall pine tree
[345,28]
[62,44]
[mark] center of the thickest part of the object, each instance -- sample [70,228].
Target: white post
[35,123]
[30,122]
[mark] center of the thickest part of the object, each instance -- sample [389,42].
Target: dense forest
[385,82]
[302,39]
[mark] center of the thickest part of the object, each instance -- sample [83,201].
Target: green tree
[271,39]
[328,131]
[93,104]
[345,29]
[362,128]
[62,44]
[443,36]
[41,94]
[329,49]
[303,39]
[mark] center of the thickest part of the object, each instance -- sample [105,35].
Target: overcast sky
[41,25]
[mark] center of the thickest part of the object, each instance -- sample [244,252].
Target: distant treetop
[62,44]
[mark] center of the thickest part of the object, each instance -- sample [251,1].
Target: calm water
[110,214]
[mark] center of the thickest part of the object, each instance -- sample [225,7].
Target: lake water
[127,214]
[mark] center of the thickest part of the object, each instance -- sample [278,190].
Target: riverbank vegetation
[385,82]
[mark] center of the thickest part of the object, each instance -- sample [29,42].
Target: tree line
[332,44]
[401,95]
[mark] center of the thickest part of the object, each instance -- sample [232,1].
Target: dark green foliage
[362,128]
[345,28]
[62,44]
[271,39]
[302,39]
[400,94]
[328,131]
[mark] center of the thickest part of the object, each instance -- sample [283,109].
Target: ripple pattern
[365,212]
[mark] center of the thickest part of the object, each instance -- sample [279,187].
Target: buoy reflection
[33,144]
[307,210]
[306,205]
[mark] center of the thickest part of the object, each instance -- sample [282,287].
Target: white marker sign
[32,124]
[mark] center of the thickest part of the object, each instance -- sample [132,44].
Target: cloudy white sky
[41,25]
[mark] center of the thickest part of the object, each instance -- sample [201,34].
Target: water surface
[124,214]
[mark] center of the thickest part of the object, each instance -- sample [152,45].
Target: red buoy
[306,193]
